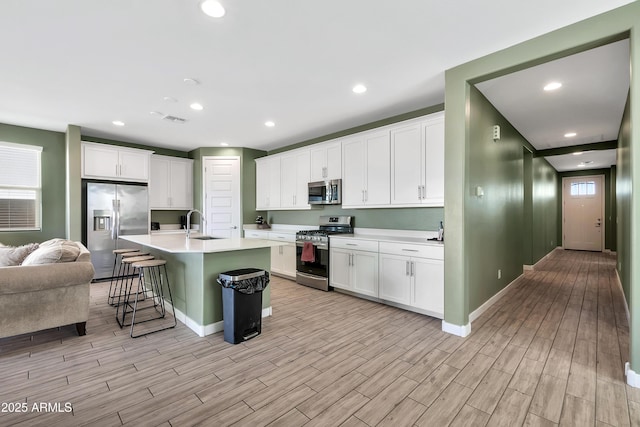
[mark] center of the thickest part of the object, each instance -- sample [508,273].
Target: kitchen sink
[205,238]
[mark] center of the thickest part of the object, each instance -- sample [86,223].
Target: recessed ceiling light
[190,81]
[553,86]
[570,134]
[224,144]
[118,122]
[581,165]
[196,106]
[170,99]
[588,162]
[577,153]
[359,88]
[269,124]
[212,8]
[156,113]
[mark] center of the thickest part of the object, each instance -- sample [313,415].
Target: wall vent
[174,119]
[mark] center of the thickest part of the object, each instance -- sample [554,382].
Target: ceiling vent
[174,119]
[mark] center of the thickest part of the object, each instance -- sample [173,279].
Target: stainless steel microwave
[325,192]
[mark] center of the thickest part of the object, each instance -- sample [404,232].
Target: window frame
[37,226]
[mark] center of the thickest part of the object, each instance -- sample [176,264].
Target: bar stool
[149,269]
[124,272]
[117,265]
[125,287]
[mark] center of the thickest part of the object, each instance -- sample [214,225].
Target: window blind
[20,186]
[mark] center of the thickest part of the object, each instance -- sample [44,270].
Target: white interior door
[583,213]
[222,196]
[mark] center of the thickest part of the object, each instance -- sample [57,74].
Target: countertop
[178,243]
[388,238]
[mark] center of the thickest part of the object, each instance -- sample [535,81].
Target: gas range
[328,225]
[312,251]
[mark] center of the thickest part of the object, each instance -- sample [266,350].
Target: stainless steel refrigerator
[113,210]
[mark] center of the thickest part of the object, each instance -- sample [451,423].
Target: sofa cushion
[12,255]
[53,251]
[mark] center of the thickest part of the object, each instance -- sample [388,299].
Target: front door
[583,213]
[222,196]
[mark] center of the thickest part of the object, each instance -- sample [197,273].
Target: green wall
[545,207]
[497,218]
[609,221]
[392,218]
[608,27]
[53,183]
[624,210]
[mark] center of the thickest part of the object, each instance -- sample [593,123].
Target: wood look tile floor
[550,352]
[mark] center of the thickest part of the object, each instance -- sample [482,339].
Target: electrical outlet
[499,274]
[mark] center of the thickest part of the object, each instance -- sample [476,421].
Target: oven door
[320,264]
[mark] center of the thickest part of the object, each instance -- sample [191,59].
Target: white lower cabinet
[355,271]
[283,259]
[395,279]
[413,275]
[354,266]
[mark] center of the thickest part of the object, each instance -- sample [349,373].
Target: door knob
[234,227]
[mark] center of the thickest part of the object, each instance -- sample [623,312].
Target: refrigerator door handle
[115,217]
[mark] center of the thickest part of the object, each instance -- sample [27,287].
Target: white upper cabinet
[398,165]
[268,182]
[434,160]
[102,161]
[366,170]
[326,161]
[282,181]
[417,162]
[294,179]
[171,183]
[407,164]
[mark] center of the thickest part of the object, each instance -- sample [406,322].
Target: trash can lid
[241,274]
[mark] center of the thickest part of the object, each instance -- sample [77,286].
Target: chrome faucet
[202,222]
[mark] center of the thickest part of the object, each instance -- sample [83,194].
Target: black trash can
[242,303]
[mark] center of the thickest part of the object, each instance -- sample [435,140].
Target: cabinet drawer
[412,250]
[355,244]
[282,237]
[253,234]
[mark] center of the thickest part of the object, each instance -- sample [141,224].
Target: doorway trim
[602,206]
[204,185]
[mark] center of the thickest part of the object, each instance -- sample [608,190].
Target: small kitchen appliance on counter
[261,223]
[312,251]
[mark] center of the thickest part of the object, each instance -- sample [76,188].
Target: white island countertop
[178,243]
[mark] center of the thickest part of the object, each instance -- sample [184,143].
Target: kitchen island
[193,267]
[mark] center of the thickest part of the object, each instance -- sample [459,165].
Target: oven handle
[317,245]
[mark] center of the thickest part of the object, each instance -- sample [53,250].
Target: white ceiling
[591,101]
[89,62]
[587,160]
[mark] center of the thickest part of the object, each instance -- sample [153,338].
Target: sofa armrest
[31,278]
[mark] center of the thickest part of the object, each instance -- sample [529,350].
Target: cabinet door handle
[419,192]
[424,192]
[351,244]
[366,195]
[410,250]
[407,268]
[362,196]
[412,268]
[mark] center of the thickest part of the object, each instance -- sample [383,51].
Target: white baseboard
[461,331]
[204,330]
[488,303]
[526,267]
[633,379]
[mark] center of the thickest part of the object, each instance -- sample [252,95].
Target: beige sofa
[37,297]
